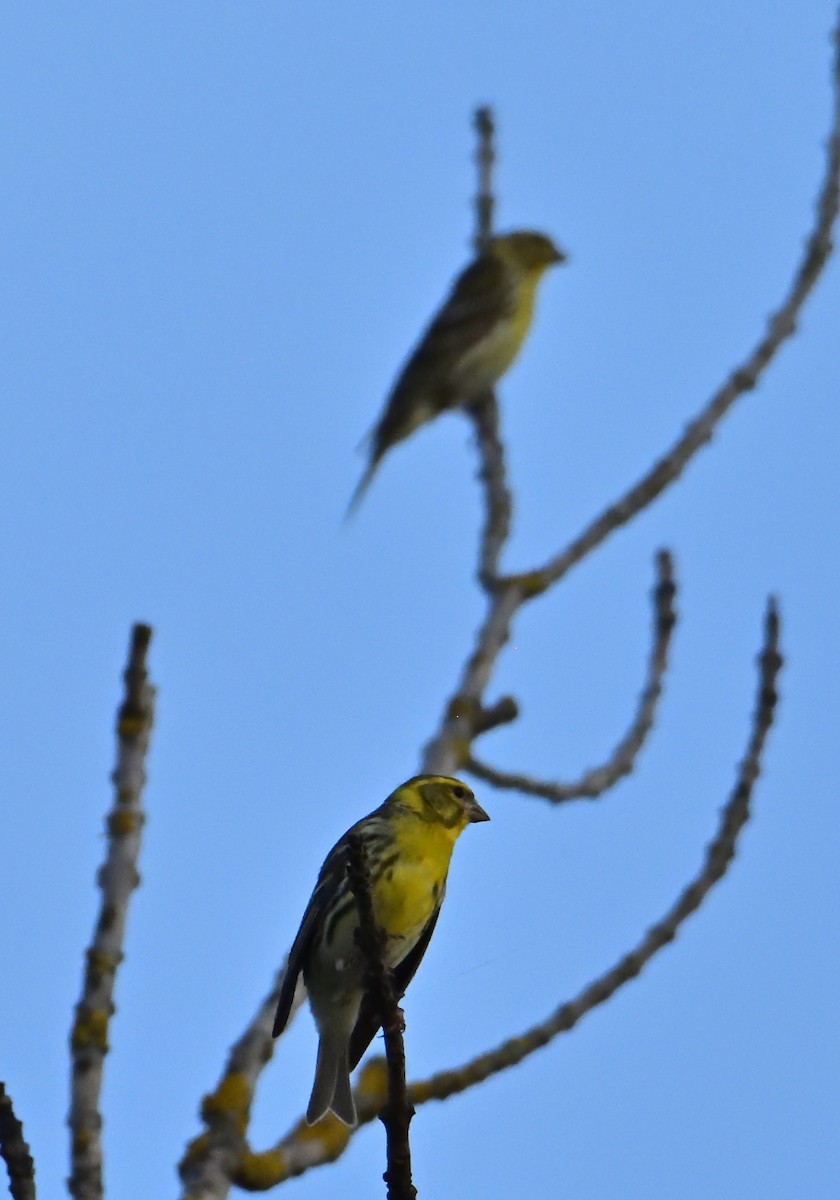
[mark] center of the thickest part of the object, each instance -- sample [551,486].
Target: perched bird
[470,343]
[409,842]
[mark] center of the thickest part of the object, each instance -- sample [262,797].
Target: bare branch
[297,1153]
[484,410]
[397,1112]
[206,1171]
[450,749]
[719,855]
[14,1151]
[118,877]
[502,712]
[485,156]
[621,762]
[492,474]
[781,325]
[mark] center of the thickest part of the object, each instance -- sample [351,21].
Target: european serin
[409,842]
[470,343]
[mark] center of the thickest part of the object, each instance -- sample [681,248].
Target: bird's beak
[475,812]
[559,255]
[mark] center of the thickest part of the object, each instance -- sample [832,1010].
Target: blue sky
[223,227]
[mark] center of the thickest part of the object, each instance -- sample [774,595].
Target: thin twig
[14,1150]
[118,877]
[484,123]
[484,410]
[597,780]
[397,1112]
[294,1154]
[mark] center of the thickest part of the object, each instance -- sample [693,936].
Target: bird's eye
[459,793]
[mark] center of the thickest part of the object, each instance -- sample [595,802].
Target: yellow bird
[470,343]
[409,841]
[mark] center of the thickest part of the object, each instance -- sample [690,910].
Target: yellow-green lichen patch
[232,1099]
[532,583]
[100,966]
[82,1139]
[372,1085]
[131,724]
[124,821]
[259,1172]
[90,1030]
[332,1134]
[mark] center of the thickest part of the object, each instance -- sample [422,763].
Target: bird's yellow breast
[412,884]
[483,365]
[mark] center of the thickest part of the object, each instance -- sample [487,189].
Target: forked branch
[220,1156]
[294,1155]
[594,782]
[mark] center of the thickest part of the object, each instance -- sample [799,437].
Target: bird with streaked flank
[470,343]
[408,842]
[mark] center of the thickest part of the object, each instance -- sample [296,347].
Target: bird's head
[526,250]
[439,798]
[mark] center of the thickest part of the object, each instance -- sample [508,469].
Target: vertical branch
[117,879]
[397,1113]
[484,412]
[498,502]
[15,1152]
[485,156]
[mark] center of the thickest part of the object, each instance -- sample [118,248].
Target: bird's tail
[331,1090]
[361,487]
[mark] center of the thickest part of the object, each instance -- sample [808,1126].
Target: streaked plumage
[470,343]
[409,841]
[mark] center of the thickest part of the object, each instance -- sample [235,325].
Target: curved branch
[719,856]
[780,327]
[621,762]
[14,1151]
[299,1151]
[118,877]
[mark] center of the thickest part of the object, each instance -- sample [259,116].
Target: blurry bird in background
[471,341]
[408,841]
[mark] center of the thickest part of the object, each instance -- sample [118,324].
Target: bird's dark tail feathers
[361,487]
[331,1091]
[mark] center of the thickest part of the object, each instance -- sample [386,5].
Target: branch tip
[117,878]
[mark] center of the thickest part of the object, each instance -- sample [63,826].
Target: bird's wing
[368,1020]
[481,297]
[332,876]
